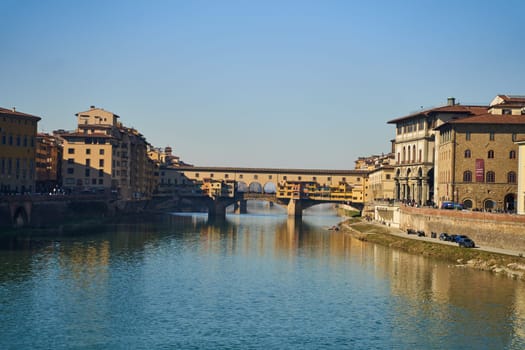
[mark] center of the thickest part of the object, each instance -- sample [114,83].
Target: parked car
[459,238]
[452,238]
[421,233]
[466,243]
[451,205]
[444,236]
[411,231]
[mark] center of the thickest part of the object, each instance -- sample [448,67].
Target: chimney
[451,101]
[14,109]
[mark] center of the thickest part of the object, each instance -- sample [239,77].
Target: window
[490,154]
[87,172]
[101,173]
[420,156]
[511,177]
[491,176]
[197,175]
[101,152]
[285,178]
[388,176]
[514,137]
[88,150]
[467,136]
[70,160]
[512,154]
[491,136]
[70,151]
[101,162]
[467,153]
[88,162]
[467,176]
[100,181]
[93,181]
[299,178]
[70,170]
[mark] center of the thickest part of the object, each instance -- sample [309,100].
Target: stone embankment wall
[496,230]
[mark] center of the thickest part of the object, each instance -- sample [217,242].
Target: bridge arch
[269,188]
[255,187]
[242,186]
[20,217]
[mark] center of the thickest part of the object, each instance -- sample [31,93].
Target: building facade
[48,163]
[104,156]
[478,156]
[17,151]
[415,150]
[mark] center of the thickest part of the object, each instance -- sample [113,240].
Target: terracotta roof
[81,134]
[488,118]
[512,98]
[459,109]
[14,113]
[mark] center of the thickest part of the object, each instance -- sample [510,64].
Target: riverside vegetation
[511,266]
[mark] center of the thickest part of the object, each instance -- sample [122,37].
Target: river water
[254,281]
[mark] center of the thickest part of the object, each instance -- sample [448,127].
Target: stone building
[415,147]
[478,156]
[48,163]
[103,156]
[17,151]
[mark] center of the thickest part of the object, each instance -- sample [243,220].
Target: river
[254,281]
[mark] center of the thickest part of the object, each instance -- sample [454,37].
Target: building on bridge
[17,151]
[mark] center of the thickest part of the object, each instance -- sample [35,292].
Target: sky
[278,84]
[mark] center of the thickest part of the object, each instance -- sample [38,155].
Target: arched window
[467,153]
[404,154]
[511,177]
[413,154]
[420,156]
[512,154]
[491,176]
[467,176]
[398,157]
[490,154]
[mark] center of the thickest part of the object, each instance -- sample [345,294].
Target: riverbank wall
[37,212]
[498,230]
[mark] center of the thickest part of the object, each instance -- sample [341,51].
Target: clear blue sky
[300,84]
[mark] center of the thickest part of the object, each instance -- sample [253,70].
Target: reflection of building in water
[518,321]
[87,263]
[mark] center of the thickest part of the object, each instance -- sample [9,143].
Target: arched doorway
[467,204]
[510,202]
[489,205]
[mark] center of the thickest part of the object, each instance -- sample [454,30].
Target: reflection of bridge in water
[297,189]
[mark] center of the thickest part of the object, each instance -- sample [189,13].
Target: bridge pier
[295,208]
[240,207]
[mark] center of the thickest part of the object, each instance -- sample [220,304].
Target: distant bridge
[298,189]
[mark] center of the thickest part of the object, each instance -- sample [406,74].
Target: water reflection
[182,268]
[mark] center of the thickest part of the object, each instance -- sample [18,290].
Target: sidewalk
[397,232]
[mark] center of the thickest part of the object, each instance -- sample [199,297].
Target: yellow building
[17,151]
[104,156]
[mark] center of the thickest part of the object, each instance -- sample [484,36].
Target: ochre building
[17,151]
